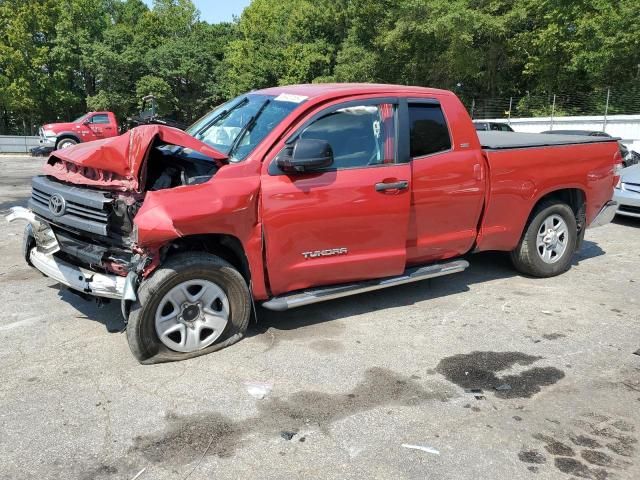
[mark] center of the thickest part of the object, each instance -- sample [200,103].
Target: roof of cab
[344,89]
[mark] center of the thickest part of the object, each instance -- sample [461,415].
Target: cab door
[345,222]
[100,126]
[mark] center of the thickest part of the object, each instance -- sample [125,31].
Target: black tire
[65,143]
[141,333]
[525,256]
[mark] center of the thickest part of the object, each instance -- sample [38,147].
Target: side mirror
[306,155]
[87,122]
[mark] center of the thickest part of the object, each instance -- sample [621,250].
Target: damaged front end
[80,217]
[82,239]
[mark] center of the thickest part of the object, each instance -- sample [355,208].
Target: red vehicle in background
[90,126]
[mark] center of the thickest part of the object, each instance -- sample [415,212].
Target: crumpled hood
[115,163]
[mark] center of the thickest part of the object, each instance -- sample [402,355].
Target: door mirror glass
[305,155]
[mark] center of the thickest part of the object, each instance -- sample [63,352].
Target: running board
[321,294]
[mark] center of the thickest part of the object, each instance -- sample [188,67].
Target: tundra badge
[325,253]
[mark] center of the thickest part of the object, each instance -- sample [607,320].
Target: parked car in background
[629,157]
[491,126]
[88,127]
[294,195]
[627,192]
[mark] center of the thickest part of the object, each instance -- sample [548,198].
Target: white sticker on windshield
[288,97]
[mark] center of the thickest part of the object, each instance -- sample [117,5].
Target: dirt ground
[496,375]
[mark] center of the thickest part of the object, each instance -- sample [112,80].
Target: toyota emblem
[57,205]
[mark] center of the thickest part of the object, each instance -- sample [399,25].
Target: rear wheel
[66,143]
[194,304]
[549,240]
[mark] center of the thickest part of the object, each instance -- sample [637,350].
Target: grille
[629,208]
[84,209]
[632,187]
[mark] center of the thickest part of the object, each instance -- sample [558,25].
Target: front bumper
[606,214]
[78,278]
[47,140]
[42,257]
[628,202]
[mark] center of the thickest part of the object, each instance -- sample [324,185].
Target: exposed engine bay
[94,227]
[169,166]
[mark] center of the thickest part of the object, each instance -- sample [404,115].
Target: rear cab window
[429,133]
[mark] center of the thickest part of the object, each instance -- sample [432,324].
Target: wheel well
[67,135]
[227,247]
[574,197]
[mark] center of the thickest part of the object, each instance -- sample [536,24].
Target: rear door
[347,222]
[448,185]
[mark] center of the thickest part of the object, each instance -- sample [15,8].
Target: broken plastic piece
[473,390]
[258,390]
[503,387]
[422,448]
[139,473]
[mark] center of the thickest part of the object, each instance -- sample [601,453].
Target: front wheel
[194,304]
[548,243]
[66,143]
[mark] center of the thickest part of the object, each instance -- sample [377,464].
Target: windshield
[236,127]
[80,119]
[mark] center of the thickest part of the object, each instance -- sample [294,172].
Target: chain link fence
[601,103]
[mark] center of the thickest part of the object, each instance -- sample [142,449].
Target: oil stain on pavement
[478,370]
[188,436]
[601,447]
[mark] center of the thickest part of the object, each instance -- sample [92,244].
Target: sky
[215,11]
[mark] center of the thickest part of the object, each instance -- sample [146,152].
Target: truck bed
[509,140]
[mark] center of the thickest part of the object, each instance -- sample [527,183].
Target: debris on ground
[422,448]
[258,390]
[139,473]
[637,352]
[477,393]
[287,435]
[503,387]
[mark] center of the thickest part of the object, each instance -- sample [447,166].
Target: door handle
[401,185]
[478,172]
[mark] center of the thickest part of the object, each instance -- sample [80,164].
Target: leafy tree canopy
[58,59]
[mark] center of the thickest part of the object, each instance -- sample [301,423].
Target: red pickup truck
[294,195]
[88,127]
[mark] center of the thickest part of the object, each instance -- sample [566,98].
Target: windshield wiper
[247,128]
[221,116]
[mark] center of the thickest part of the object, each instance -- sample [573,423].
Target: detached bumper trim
[606,214]
[78,278]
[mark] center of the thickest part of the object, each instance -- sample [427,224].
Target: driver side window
[360,136]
